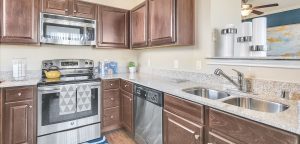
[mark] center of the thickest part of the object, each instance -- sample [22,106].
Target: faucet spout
[239,84]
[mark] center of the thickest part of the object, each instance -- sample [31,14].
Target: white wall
[35,54]
[210,14]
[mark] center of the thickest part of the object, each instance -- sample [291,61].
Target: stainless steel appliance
[66,30]
[148,115]
[69,107]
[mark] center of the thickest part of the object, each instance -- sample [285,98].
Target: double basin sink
[244,102]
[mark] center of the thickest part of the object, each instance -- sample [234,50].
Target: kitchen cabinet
[113,28]
[110,102]
[139,26]
[127,106]
[19,115]
[19,21]
[171,22]
[75,8]
[183,121]
[223,126]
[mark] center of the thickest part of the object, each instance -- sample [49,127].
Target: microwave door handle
[49,89]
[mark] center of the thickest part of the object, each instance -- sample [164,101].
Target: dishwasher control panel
[151,95]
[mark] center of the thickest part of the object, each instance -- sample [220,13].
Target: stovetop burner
[72,71]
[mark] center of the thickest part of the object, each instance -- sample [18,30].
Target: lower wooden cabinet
[245,131]
[179,130]
[18,119]
[127,111]
[183,121]
[19,116]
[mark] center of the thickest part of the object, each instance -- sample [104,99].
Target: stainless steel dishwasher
[148,115]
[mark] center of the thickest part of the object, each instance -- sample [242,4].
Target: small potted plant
[132,67]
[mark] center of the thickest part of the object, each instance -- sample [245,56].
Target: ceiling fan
[247,9]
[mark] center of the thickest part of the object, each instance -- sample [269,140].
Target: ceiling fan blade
[257,12]
[266,6]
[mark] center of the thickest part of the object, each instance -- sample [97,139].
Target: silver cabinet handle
[197,137]
[19,94]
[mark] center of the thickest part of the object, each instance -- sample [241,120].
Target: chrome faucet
[240,84]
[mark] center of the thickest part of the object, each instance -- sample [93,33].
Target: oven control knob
[51,64]
[91,63]
[72,123]
[45,65]
[86,63]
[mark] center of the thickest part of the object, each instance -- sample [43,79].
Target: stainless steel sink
[207,93]
[257,105]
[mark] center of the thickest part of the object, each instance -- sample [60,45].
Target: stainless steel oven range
[69,107]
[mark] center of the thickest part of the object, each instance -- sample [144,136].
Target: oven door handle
[48,89]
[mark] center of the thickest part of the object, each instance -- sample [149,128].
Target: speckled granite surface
[288,120]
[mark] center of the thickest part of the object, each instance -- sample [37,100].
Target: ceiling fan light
[246,12]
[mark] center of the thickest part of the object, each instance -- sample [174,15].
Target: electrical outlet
[176,64]
[198,65]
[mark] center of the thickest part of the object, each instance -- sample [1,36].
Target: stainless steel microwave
[66,30]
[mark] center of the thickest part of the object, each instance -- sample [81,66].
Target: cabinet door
[18,119]
[216,139]
[139,24]
[56,7]
[19,21]
[178,130]
[162,22]
[113,27]
[84,9]
[127,111]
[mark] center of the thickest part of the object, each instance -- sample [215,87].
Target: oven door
[59,107]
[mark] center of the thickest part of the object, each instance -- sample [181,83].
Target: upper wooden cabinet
[171,22]
[139,23]
[19,21]
[83,9]
[75,8]
[113,27]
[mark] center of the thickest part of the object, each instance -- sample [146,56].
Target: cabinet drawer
[216,139]
[186,109]
[111,98]
[247,131]
[18,93]
[111,116]
[111,84]
[127,86]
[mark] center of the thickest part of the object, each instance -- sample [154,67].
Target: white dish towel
[84,102]
[67,99]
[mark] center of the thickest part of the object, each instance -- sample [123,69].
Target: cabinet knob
[112,117]
[30,106]
[75,11]
[111,84]
[126,85]
[112,99]
[19,94]
[130,99]
[66,10]
[197,137]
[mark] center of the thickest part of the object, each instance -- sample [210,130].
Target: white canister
[19,69]
[226,47]
[132,69]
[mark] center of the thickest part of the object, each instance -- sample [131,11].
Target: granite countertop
[288,120]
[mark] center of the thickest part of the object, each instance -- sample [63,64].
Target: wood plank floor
[119,137]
